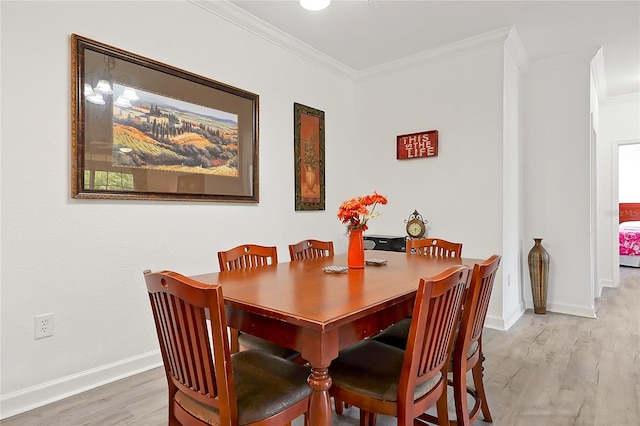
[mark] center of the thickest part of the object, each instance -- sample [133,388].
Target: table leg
[319,402]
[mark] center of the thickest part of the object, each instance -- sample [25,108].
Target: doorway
[623,172]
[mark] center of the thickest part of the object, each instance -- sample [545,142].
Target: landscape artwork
[145,130]
[161,133]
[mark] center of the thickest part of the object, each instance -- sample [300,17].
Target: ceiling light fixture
[314,4]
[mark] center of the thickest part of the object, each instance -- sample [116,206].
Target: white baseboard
[45,393]
[503,323]
[561,308]
[513,316]
[493,322]
[606,283]
[602,284]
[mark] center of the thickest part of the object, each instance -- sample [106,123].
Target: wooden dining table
[298,305]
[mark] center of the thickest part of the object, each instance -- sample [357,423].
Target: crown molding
[622,99]
[599,77]
[552,63]
[514,46]
[226,10]
[239,17]
[458,48]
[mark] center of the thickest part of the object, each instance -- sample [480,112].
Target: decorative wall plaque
[417,145]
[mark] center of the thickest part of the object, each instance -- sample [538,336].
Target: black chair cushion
[265,385]
[373,369]
[395,335]
[252,342]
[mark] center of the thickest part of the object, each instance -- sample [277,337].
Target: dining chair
[247,256]
[207,384]
[434,247]
[382,379]
[253,256]
[467,352]
[396,335]
[309,249]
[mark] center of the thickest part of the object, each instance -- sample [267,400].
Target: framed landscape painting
[308,157]
[146,130]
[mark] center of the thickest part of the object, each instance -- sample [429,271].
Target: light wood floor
[546,370]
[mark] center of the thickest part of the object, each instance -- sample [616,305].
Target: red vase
[355,255]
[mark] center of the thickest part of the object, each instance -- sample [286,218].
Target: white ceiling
[365,33]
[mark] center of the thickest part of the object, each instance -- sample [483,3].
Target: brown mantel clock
[416,226]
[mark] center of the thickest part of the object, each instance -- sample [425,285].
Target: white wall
[460,191]
[82,260]
[629,173]
[471,192]
[461,98]
[557,180]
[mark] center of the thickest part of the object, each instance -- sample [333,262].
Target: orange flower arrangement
[355,213]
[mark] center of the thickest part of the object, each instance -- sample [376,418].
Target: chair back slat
[160,306]
[434,247]
[310,249]
[247,256]
[195,352]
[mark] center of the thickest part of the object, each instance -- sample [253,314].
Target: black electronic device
[384,242]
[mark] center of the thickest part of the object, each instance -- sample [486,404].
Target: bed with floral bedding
[629,234]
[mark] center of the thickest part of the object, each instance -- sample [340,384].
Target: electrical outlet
[43,326]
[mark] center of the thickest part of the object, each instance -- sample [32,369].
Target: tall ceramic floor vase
[355,253]
[539,274]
